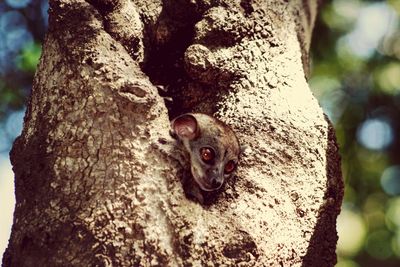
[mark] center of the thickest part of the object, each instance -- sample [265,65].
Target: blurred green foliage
[22,27]
[11,98]
[13,94]
[15,85]
[356,77]
[29,57]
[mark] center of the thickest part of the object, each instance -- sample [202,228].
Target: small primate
[213,150]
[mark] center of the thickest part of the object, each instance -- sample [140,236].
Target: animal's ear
[185,126]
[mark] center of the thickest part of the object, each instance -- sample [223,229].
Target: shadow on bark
[325,235]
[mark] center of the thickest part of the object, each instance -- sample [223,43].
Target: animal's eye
[229,167]
[207,154]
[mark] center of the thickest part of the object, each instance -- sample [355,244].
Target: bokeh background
[355,76]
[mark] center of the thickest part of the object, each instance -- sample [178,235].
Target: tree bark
[93,189]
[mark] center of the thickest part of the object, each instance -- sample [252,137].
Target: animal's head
[213,147]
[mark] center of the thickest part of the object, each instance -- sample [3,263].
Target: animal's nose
[215,183]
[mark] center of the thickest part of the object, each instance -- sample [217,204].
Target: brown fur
[196,131]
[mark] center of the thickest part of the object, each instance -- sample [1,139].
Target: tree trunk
[93,189]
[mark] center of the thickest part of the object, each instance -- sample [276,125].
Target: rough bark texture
[92,188]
